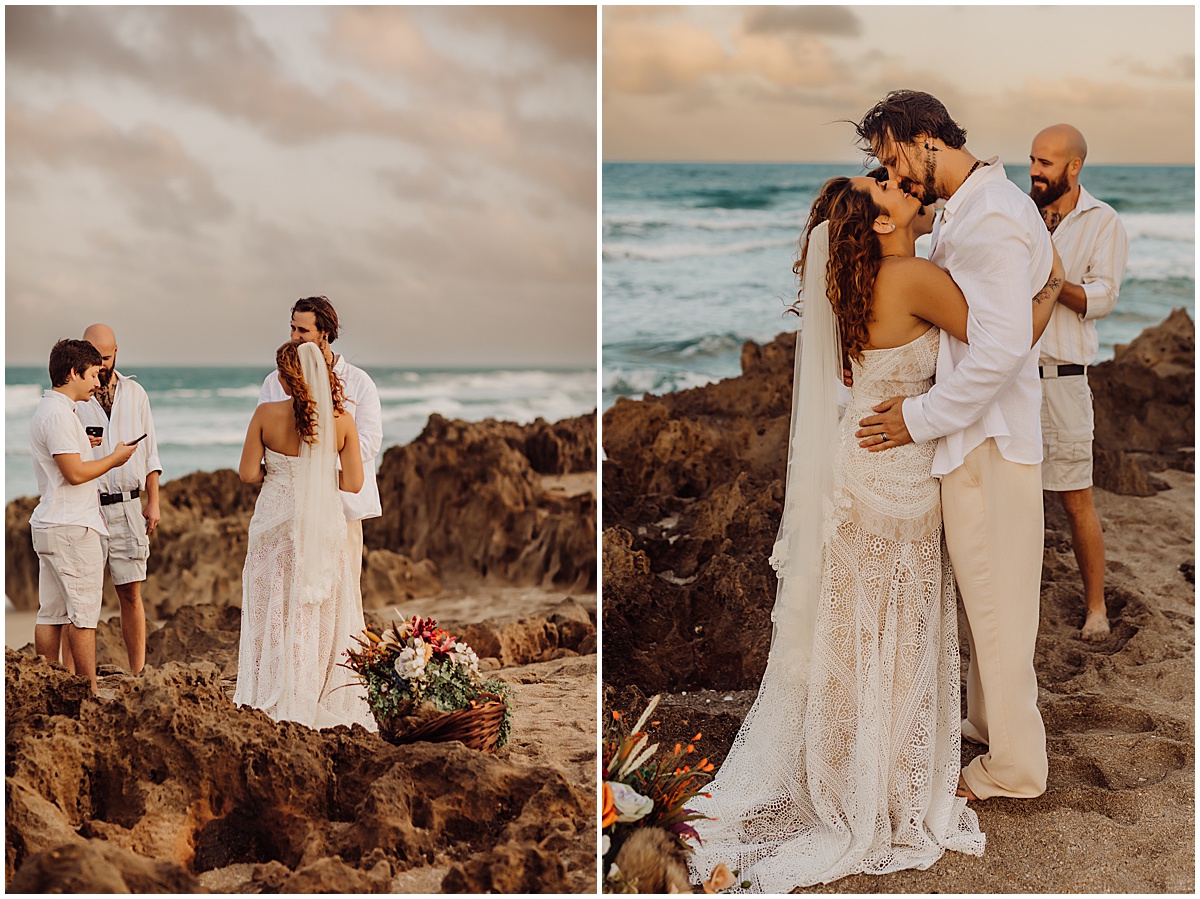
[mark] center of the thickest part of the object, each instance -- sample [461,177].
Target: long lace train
[851,765]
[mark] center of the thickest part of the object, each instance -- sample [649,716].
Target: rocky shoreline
[161,784]
[693,489]
[484,501]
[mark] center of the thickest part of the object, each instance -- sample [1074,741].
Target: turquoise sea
[201,414]
[697,259]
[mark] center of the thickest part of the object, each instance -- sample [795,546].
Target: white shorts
[70,575]
[127,546]
[1068,425]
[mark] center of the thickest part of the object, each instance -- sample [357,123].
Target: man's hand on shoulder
[886,429]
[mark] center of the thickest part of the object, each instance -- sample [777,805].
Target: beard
[105,374]
[1043,192]
[926,193]
[926,189]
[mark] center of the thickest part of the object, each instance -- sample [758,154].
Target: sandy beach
[1118,815]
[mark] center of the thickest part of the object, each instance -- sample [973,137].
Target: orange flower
[721,878]
[609,814]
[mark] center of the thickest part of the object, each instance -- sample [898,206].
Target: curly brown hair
[854,257]
[304,407]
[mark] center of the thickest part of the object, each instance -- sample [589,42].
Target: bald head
[1055,160]
[104,340]
[1066,139]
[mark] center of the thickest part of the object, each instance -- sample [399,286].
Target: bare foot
[1095,628]
[964,790]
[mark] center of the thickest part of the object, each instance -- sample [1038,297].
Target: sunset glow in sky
[770,84]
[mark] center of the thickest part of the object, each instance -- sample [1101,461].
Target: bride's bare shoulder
[275,408]
[910,272]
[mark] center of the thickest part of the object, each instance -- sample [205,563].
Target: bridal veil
[320,522]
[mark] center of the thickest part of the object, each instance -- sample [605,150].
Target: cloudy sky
[770,83]
[184,174]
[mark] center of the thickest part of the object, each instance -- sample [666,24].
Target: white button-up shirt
[130,419]
[993,242]
[55,431]
[1094,248]
[362,402]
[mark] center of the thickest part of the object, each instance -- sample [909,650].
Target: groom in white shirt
[314,320]
[984,410]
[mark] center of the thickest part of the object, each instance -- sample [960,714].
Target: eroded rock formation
[463,501]
[693,490]
[163,781]
[1145,402]
[469,496]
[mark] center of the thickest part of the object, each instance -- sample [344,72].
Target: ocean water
[697,259]
[200,414]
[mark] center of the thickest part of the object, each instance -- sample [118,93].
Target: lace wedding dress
[290,649]
[849,758]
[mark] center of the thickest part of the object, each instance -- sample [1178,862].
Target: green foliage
[500,688]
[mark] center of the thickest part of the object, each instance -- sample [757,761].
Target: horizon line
[823,162]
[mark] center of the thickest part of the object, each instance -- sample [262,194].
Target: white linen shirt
[994,244]
[1094,248]
[56,430]
[362,402]
[130,420]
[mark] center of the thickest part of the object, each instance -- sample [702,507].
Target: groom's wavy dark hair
[324,313]
[854,257]
[905,114]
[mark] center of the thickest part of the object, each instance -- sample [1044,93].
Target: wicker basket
[478,727]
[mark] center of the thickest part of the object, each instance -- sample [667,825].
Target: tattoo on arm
[1044,294]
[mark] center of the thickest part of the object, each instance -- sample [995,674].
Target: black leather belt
[107,499]
[1062,371]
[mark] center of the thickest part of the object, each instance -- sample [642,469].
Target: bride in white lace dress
[848,761]
[299,606]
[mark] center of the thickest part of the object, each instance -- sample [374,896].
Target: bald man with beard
[122,409]
[1094,248]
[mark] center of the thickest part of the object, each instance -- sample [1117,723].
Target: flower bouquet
[641,792]
[424,685]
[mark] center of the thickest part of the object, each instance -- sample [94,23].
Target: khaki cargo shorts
[1068,425]
[70,575]
[127,546]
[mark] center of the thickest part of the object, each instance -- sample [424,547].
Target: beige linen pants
[994,526]
[354,549]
